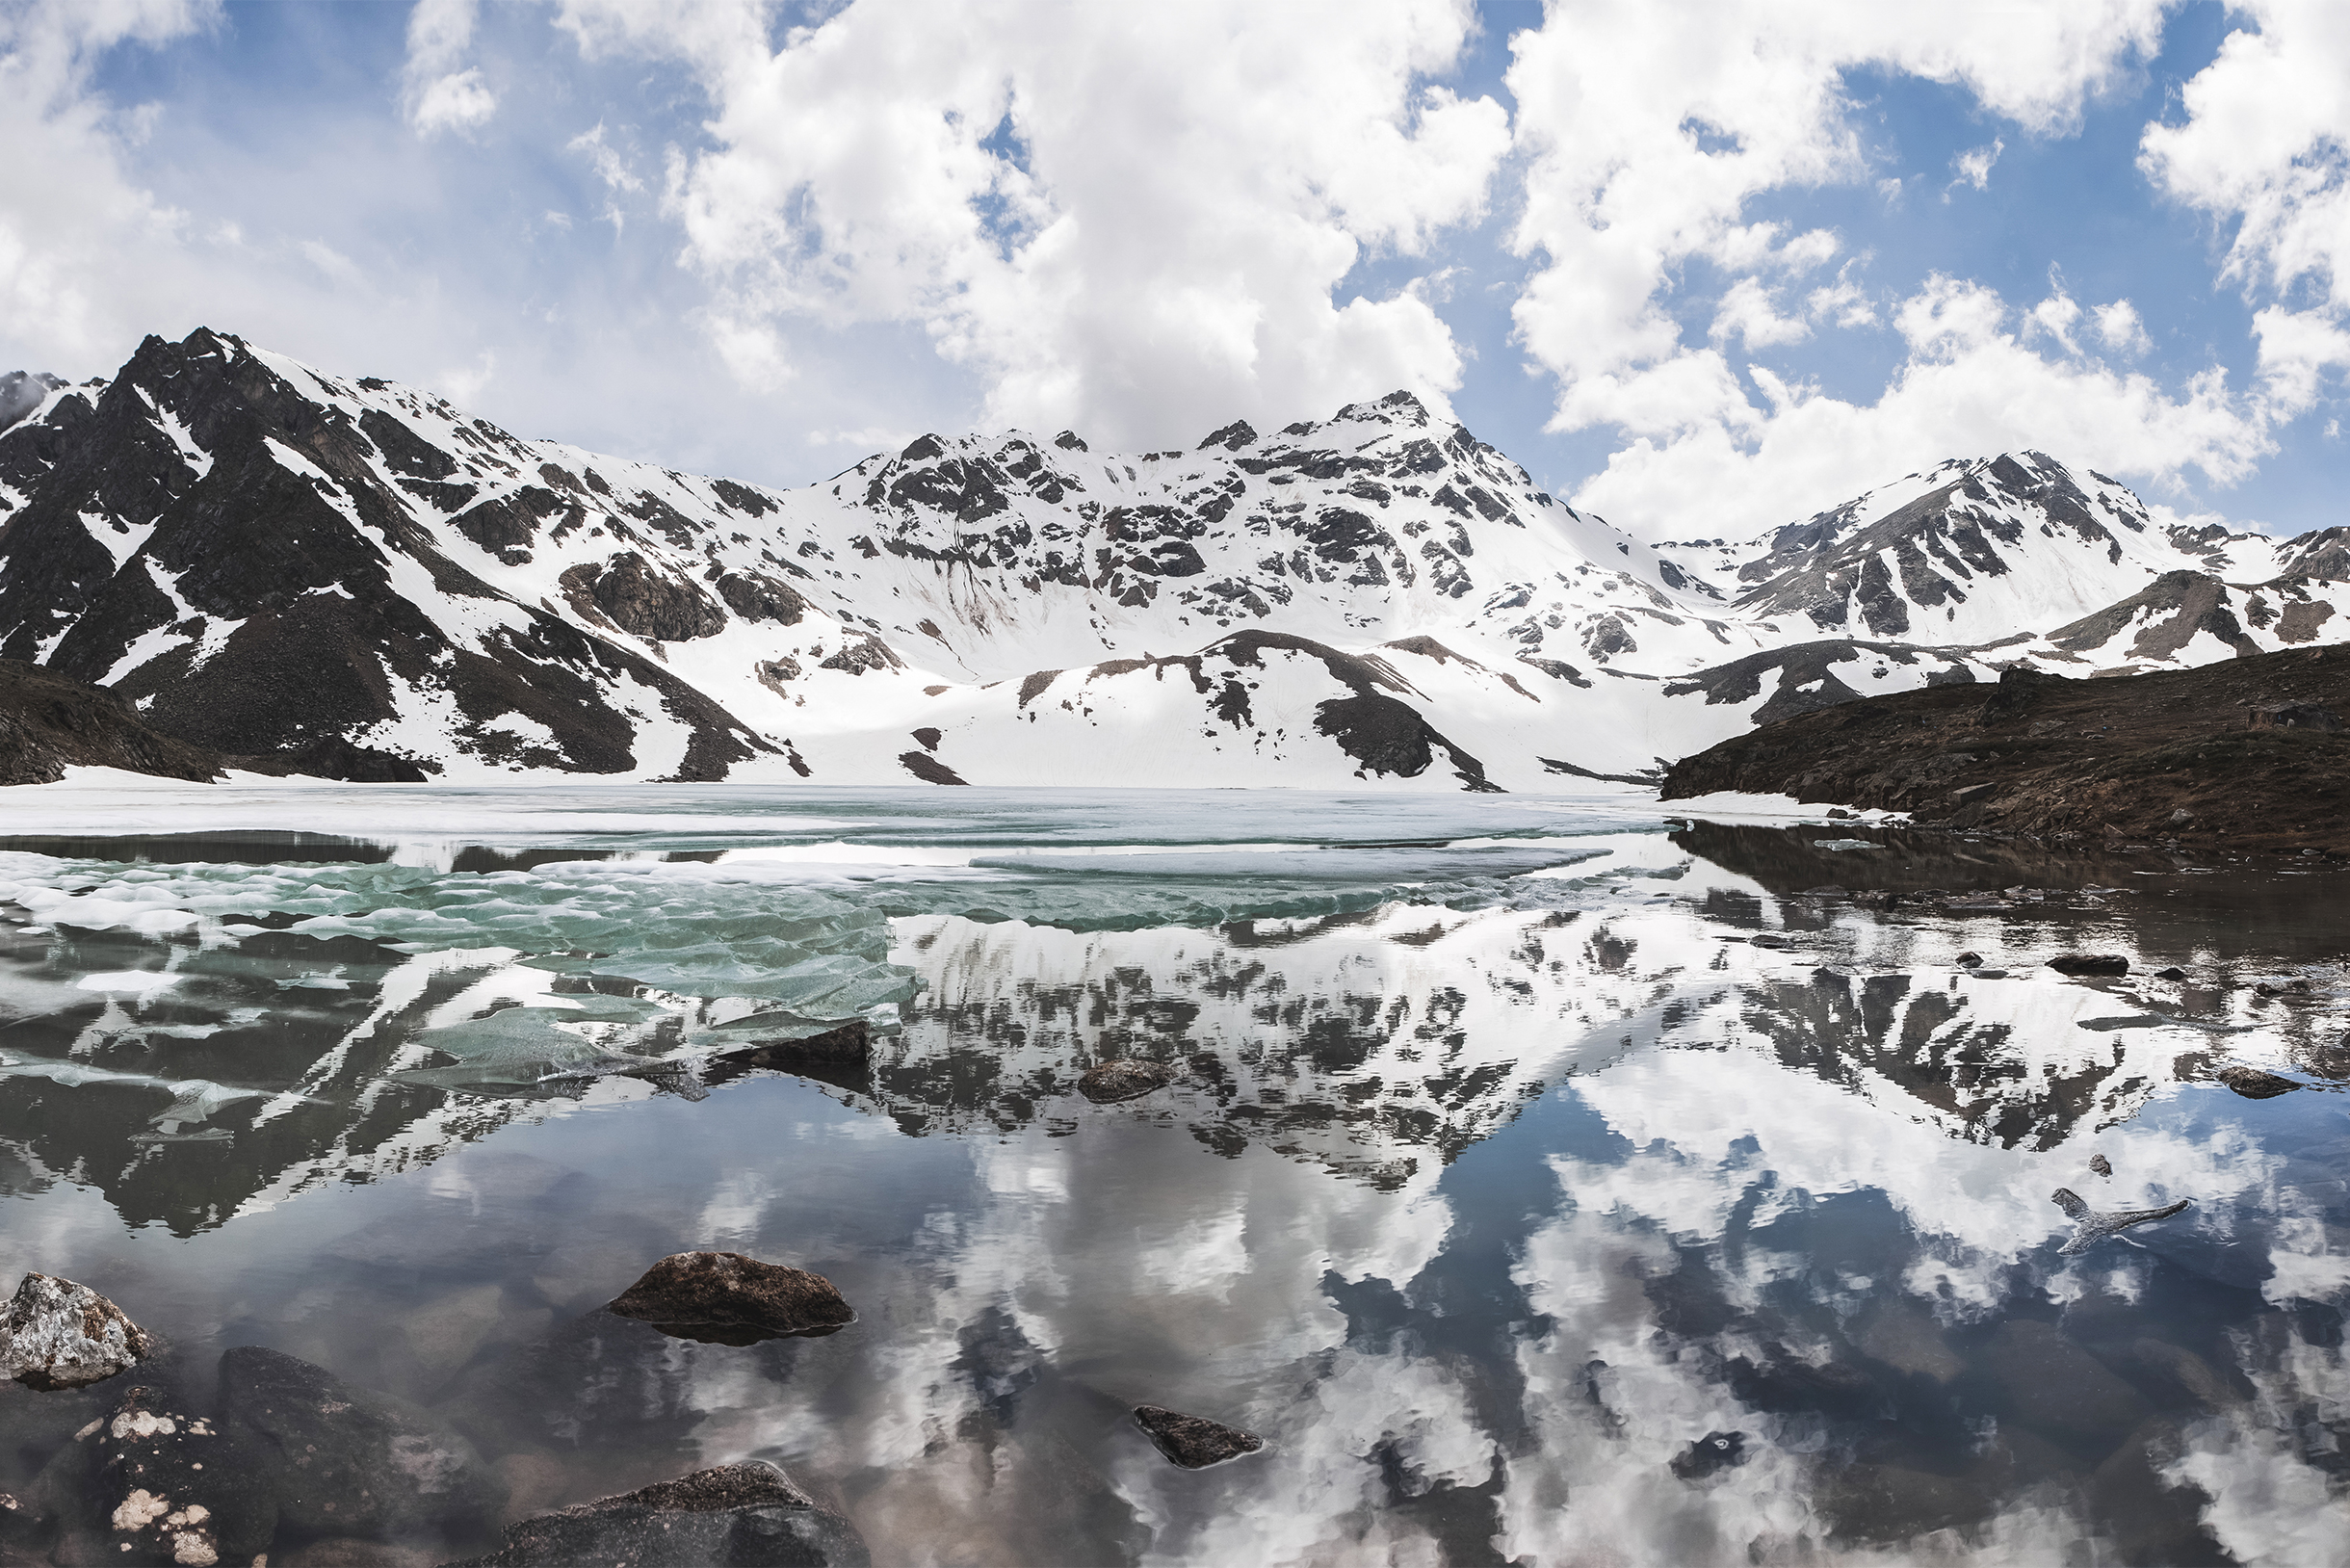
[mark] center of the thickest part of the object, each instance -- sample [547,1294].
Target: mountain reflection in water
[1529,1206]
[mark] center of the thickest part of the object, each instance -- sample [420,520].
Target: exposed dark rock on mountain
[363,580]
[2196,602]
[1832,569]
[257,581]
[2171,755]
[49,722]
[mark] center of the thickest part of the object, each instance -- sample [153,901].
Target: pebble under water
[1542,1181]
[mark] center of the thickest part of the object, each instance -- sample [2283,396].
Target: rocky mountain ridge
[262,558]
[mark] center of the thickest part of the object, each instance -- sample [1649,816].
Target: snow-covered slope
[268,557]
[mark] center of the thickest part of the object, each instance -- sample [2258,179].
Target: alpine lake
[1544,1179]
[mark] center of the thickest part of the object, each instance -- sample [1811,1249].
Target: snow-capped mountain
[268,559]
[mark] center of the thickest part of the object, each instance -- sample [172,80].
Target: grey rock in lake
[349,1461]
[2255,1084]
[2091,1226]
[1124,1078]
[745,1515]
[1195,1442]
[2089,963]
[728,1291]
[56,1334]
[2100,1164]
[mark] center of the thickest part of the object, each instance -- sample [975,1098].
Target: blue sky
[1704,270]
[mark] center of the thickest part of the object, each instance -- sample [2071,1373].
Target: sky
[1703,268]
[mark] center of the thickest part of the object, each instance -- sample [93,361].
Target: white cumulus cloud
[2264,140]
[1127,219]
[439,92]
[1973,167]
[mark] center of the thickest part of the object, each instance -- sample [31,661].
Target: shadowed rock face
[2169,754]
[248,564]
[728,1290]
[49,722]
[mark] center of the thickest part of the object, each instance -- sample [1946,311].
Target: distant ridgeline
[274,566]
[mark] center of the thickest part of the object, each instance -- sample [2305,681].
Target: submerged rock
[2091,1226]
[2089,963]
[56,1334]
[1711,1454]
[349,1462]
[1124,1078]
[2046,1382]
[170,1487]
[2172,973]
[690,1290]
[843,1045]
[2255,1084]
[746,1515]
[1195,1442]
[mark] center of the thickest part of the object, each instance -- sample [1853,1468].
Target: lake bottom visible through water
[1542,1181]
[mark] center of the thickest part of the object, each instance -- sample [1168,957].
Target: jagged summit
[262,556]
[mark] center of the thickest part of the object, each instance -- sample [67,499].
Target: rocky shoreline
[2250,754]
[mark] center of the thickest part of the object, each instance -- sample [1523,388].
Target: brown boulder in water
[726,1289]
[1123,1080]
[2255,1084]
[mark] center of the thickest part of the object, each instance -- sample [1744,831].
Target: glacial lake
[1550,1180]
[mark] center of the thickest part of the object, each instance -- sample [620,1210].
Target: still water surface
[1550,1182]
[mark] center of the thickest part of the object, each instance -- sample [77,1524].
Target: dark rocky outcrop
[49,722]
[2089,963]
[1195,1442]
[743,1515]
[2170,754]
[641,600]
[690,1290]
[226,553]
[928,769]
